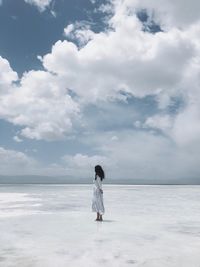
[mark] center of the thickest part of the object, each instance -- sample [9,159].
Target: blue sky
[26,32]
[99,82]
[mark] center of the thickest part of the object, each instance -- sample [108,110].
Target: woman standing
[97,200]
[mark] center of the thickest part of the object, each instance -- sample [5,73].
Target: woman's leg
[100,218]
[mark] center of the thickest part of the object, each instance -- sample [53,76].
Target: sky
[109,82]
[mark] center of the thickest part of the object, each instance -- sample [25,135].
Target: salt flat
[52,225]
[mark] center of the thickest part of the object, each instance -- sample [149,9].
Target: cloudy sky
[111,82]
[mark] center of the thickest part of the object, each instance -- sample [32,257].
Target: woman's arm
[99,184]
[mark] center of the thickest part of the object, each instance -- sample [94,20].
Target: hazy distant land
[37,179]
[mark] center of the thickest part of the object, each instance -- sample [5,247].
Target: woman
[97,200]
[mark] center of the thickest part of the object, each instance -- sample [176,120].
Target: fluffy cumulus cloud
[40,104]
[79,31]
[179,13]
[127,59]
[14,162]
[123,61]
[7,75]
[40,4]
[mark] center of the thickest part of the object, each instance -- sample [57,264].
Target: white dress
[97,200]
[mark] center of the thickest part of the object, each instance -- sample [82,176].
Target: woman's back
[97,200]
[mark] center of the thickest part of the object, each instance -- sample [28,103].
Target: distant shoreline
[86,184]
[69,180]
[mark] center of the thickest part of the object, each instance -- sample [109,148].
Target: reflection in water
[54,226]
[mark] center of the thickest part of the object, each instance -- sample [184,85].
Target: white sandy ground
[53,226]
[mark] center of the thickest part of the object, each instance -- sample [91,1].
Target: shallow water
[52,225]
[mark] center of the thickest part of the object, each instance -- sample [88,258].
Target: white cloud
[53,13]
[41,105]
[80,32]
[17,139]
[186,128]
[168,13]
[14,162]
[82,165]
[183,128]
[68,30]
[114,138]
[123,58]
[164,64]
[40,4]
[83,161]
[162,122]
[7,75]
[142,155]
[105,8]
[141,64]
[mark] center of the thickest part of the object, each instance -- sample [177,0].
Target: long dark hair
[100,172]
